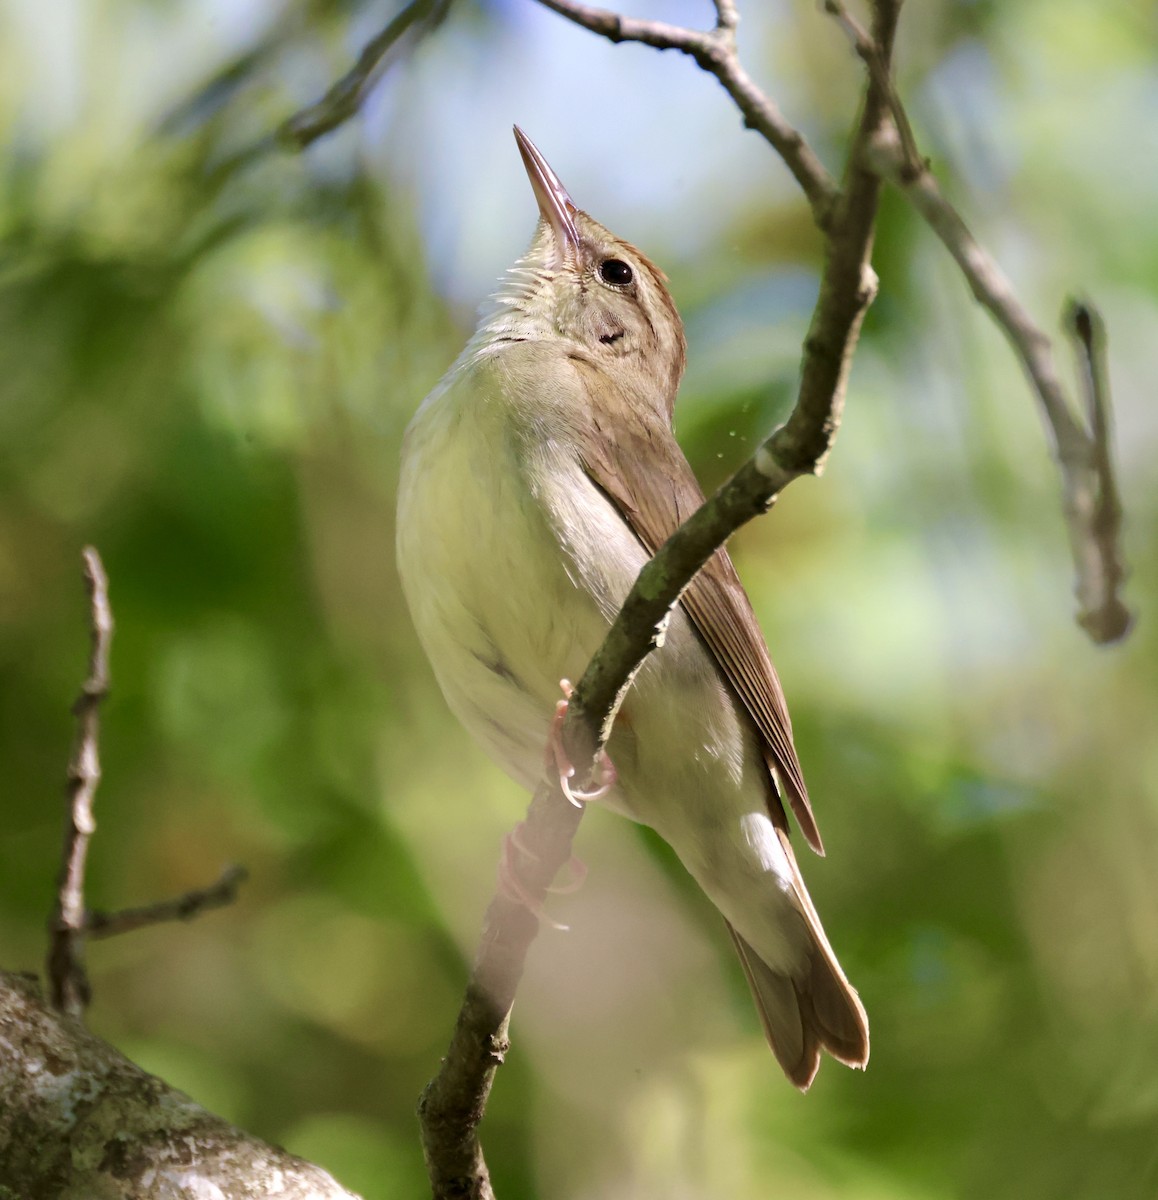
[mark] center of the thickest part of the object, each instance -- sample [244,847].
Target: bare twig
[71,921]
[715,51]
[68,982]
[1083,455]
[1090,496]
[453,1104]
[1099,578]
[344,99]
[180,908]
[878,67]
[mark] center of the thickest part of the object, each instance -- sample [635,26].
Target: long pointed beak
[557,207]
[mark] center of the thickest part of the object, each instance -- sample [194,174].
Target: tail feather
[836,1010]
[801,1017]
[791,1036]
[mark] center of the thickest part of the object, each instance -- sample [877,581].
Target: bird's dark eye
[615,272]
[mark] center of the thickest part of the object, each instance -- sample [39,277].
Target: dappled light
[209,350]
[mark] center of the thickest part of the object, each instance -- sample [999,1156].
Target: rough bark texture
[78,1121]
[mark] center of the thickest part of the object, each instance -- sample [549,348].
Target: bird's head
[596,292]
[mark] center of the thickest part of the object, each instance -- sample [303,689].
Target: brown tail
[801,1017]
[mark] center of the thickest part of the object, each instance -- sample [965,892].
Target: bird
[537,479]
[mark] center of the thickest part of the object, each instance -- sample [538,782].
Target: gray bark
[78,1121]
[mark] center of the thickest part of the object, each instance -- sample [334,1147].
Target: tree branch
[714,50]
[98,924]
[71,922]
[878,68]
[454,1102]
[79,1119]
[68,982]
[345,98]
[1083,453]
[1101,572]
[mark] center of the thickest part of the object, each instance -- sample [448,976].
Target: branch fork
[71,923]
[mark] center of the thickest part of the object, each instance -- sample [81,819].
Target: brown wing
[646,476]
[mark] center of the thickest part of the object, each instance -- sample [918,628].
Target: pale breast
[514,564]
[494,603]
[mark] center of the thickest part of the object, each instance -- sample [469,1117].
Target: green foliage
[207,358]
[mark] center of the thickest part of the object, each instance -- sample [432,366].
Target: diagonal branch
[345,97]
[870,54]
[1082,450]
[80,1120]
[714,50]
[98,924]
[453,1104]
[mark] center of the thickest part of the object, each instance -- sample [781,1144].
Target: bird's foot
[557,755]
[511,886]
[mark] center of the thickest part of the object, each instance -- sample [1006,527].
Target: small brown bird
[537,479]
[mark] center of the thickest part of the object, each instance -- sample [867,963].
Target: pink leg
[557,754]
[511,886]
[578,869]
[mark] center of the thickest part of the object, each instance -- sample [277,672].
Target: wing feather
[645,474]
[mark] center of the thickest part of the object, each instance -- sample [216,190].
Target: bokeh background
[207,360]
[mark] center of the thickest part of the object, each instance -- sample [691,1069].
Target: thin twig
[454,1102]
[344,99]
[1101,613]
[878,67]
[1092,510]
[727,15]
[185,907]
[714,50]
[1083,455]
[68,983]
[72,923]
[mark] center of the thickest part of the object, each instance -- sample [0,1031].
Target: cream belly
[494,607]
[507,602]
